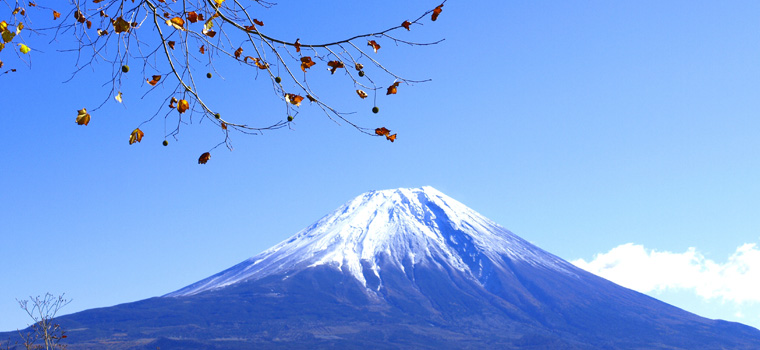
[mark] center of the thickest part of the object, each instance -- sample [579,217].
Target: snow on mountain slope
[420,225]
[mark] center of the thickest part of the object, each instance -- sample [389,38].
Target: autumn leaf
[306,63]
[204,158]
[177,23]
[406,24]
[393,89]
[3,26]
[183,106]
[437,11]
[102,32]
[258,23]
[19,27]
[334,65]
[136,136]
[8,36]
[238,52]
[89,24]
[56,15]
[24,49]
[118,97]
[375,46]
[192,17]
[120,25]
[218,3]
[224,126]
[382,131]
[259,63]
[80,17]
[359,66]
[155,80]
[171,44]
[209,33]
[294,99]
[83,118]
[297,44]
[202,49]
[172,102]
[361,94]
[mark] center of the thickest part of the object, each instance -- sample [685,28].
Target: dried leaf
[436,12]
[183,106]
[406,24]
[359,66]
[209,33]
[259,62]
[56,15]
[391,138]
[136,136]
[177,23]
[238,52]
[361,94]
[202,49]
[155,80]
[8,36]
[24,49]
[172,102]
[192,17]
[102,32]
[334,65]
[83,118]
[297,44]
[118,97]
[306,63]
[375,45]
[224,126]
[89,24]
[382,131]
[258,23]
[204,158]
[120,25]
[294,99]
[171,44]
[80,17]
[393,89]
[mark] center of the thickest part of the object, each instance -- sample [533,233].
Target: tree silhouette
[174,43]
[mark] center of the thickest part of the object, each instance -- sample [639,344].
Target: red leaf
[406,24]
[436,12]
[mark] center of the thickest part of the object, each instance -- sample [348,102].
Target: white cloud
[631,265]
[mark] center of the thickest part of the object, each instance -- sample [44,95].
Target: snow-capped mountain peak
[391,228]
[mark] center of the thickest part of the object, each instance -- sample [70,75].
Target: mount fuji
[403,269]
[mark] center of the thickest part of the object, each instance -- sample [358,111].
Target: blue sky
[622,134]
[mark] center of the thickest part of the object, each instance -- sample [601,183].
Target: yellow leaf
[118,97]
[83,118]
[219,3]
[24,49]
[183,106]
[3,26]
[136,136]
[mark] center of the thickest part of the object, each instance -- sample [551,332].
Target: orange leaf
[393,89]
[172,103]
[192,17]
[155,80]
[171,45]
[238,52]
[224,126]
[374,45]
[294,99]
[406,24]
[202,50]
[297,45]
[183,106]
[177,23]
[250,28]
[382,131]
[436,12]
[334,65]
[306,63]
[361,94]
[259,63]
[136,136]
[258,23]
[56,15]
[83,118]
[391,138]
[204,158]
